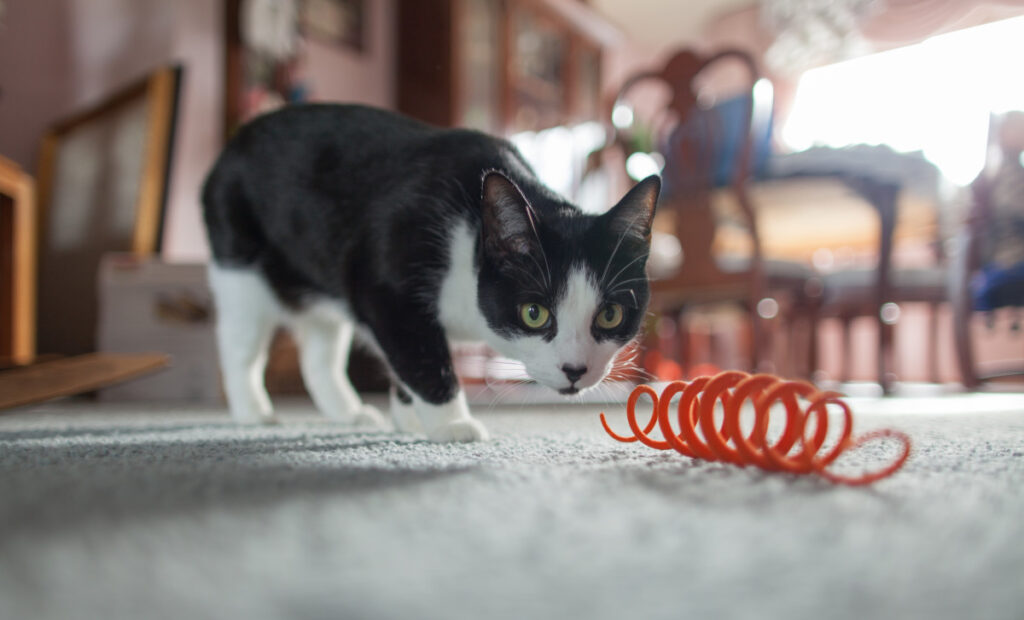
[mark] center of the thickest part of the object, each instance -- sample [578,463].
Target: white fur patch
[457,306]
[248,313]
[573,345]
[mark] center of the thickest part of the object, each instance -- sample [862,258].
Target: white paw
[369,417]
[467,429]
[405,420]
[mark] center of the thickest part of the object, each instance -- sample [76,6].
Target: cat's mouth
[569,391]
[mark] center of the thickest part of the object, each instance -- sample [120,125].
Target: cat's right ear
[508,224]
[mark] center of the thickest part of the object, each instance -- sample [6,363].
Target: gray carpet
[135,512]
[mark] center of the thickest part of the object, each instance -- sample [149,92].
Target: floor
[159,511]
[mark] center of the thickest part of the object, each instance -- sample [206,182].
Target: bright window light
[639,166]
[934,97]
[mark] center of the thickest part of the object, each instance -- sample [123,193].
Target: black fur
[358,204]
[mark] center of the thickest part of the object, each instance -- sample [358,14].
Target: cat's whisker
[509,386]
[542,285]
[625,267]
[503,386]
[622,285]
[618,243]
[533,226]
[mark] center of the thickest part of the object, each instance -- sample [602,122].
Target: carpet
[130,511]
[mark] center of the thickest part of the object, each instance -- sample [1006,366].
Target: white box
[147,305]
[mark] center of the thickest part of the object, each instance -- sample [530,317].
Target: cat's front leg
[450,421]
[417,350]
[402,411]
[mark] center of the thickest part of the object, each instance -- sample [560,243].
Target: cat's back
[312,185]
[340,132]
[339,148]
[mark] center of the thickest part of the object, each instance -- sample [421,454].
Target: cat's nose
[574,372]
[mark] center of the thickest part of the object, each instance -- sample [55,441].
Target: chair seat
[730,283]
[858,286]
[779,273]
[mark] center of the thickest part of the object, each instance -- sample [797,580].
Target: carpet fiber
[150,512]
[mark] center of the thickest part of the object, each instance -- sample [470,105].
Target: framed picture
[338,22]
[102,185]
[17,265]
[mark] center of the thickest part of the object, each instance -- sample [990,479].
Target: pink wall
[339,74]
[58,56]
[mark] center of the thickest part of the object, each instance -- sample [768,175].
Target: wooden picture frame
[102,180]
[17,265]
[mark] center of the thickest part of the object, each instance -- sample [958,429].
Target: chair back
[706,143]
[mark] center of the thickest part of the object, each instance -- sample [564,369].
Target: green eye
[610,316]
[534,316]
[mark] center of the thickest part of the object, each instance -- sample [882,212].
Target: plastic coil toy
[726,441]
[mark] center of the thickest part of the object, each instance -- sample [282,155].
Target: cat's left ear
[634,215]
[508,224]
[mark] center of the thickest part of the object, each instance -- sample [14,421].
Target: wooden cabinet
[502,66]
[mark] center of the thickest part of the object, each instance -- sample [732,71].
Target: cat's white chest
[458,310]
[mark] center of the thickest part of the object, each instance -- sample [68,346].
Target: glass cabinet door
[480,76]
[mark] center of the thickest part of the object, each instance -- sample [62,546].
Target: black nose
[574,372]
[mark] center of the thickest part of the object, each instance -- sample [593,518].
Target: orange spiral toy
[727,442]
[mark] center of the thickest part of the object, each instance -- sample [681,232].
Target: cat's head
[563,291]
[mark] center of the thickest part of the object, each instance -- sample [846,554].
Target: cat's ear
[508,224]
[634,215]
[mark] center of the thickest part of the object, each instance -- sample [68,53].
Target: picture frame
[17,265]
[341,23]
[102,187]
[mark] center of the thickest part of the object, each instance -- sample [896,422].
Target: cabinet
[503,66]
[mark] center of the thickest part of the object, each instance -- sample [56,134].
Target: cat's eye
[610,316]
[534,316]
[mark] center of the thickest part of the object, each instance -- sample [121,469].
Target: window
[935,97]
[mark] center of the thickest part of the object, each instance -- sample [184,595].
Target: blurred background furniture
[988,278]
[103,175]
[706,146]
[502,67]
[877,290]
[18,261]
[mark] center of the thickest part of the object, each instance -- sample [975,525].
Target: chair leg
[933,344]
[755,340]
[885,356]
[812,344]
[846,368]
[682,344]
[960,300]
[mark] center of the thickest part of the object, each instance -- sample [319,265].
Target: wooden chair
[973,288]
[705,150]
[877,291]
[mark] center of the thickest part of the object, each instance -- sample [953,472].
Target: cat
[340,221]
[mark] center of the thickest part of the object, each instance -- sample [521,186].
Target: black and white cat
[342,221]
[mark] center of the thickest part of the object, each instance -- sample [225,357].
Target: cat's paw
[406,420]
[369,418]
[464,430]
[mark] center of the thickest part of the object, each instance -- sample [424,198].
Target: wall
[58,56]
[338,74]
